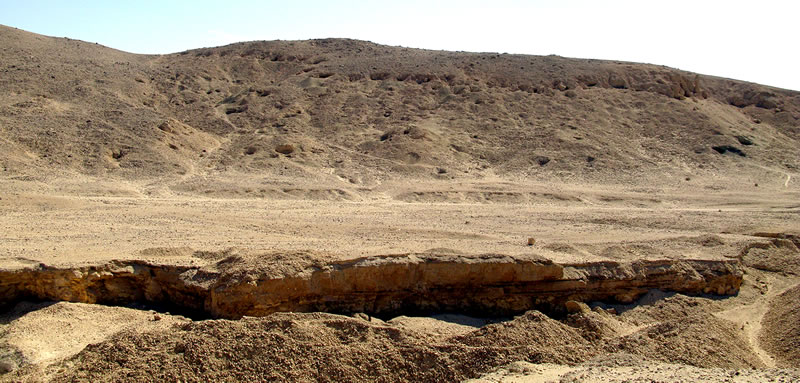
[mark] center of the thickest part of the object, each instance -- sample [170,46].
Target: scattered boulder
[355,76]
[764,100]
[236,109]
[542,160]
[617,82]
[415,133]
[117,154]
[166,126]
[722,149]
[421,78]
[7,365]
[573,307]
[285,149]
[10,359]
[744,140]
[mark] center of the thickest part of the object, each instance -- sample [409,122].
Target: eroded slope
[350,113]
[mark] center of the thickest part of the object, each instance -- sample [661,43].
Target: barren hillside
[351,112]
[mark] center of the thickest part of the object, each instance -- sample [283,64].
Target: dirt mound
[544,339]
[778,255]
[289,346]
[701,340]
[780,334]
[37,335]
[317,346]
[671,328]
[657,306]
[297,347]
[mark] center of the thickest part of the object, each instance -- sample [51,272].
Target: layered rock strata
[388,285]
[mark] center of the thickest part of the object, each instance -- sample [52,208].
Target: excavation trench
[487,285]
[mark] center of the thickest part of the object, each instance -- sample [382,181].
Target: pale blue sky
[749,40]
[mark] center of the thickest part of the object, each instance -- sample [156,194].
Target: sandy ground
[523,372]
[570,224]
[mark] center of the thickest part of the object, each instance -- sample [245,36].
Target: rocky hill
[353,113]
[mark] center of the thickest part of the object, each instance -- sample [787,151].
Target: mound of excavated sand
[303,347]
[37,335]
[781,332]
[699,340]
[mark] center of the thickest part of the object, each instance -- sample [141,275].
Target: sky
[747,40]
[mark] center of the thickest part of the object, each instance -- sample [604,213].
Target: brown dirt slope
[694,340]
[781,333]
[326,347]
[352,111]
[309,347]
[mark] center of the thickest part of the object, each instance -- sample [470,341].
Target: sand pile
[781,335]
[327,347]
[699,340]
[319,347]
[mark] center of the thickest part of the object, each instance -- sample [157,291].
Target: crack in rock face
[484,285]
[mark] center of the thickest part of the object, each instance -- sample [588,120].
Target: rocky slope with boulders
[352,112]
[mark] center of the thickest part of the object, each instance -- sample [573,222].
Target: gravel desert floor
[570,223]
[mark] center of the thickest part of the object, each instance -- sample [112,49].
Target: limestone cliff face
[387,285]
[110,283]
[484,285]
